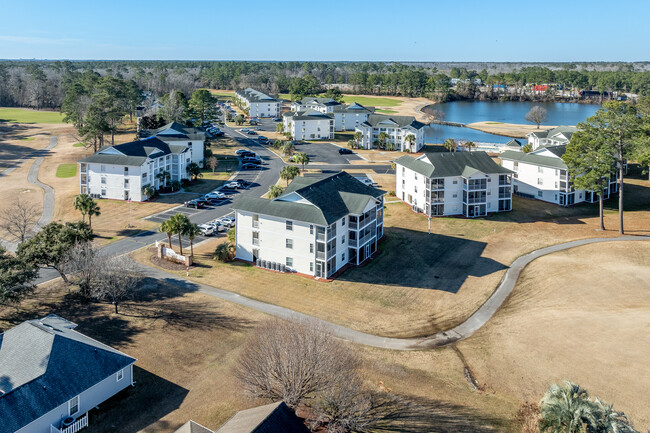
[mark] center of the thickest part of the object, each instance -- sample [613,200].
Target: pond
[558,113]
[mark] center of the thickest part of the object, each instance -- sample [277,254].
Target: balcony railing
[474,187]
[256,241]
[320,255]
[72,428]
[256,224]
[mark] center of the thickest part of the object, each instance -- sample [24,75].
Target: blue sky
[400,30]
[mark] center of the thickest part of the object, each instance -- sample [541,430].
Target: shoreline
[516,130]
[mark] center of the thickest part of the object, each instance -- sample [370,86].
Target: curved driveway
[462,331]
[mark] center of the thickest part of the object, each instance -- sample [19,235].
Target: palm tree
[410,139]
[92,210]
[470,145]
[164,176]
[611,421]
[167,227]
[81,204]
[148,190]
[288,148]
[303,159]
[358,136]
[191,231]
[279,128]
[194,170]
[382,139]
[288,172]
[450,144]
[179,223]
[566,408]
[275,191]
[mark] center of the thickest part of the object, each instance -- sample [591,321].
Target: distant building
[176,134]
[309,125]
[396,127]
[52,375]
[317,226]
[258,104]
[324,105]
[270,418]
[543,175]
[470,184]
[346,116]
[551,137]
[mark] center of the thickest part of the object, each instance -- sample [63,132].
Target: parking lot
[325,153]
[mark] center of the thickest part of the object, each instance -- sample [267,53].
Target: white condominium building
[309,125]
[397,129]
[258,104]
[316,227]
[470,184]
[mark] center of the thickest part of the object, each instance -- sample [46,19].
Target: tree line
[44,84]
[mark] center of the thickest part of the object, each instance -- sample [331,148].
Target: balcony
[256,241]
[72,428]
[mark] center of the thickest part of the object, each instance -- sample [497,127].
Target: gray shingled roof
[321,101]
[533,158]
[270,418]
[354,108]
[309,115]
[331,197]
[563,129]
[134,153]
[445,164]
[253,95]
[193,427]
[390,121]
[174,131]
[44,363]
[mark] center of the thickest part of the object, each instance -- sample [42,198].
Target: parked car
[215,195]
[231,185]
[241,151]
[344,151]
[252,160]
[277,119]
[263,139]
[366,181]
[195,204]
[218,134]
[206,229]
[227,221]
[244,130]
[243,182]
[217,226]
[251,132]
[250,166]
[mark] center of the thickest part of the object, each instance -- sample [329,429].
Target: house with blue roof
[51,376]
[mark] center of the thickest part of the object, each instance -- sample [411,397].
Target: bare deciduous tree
[291,361]
[434,115]
[119,278]
[212,163]
[536,115]
[18,220]
[84,263]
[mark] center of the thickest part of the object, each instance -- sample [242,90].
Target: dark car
[195,204]
[277,119]
[243,182]
[248,154]
[257,160]
[249,166]
[251,132]
[344,151]
[218,134]
[263,139]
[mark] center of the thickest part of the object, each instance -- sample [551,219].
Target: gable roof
[308,115]
[134,153]
[44,363]
[536,159]
[174,131]
[193,427]
[446,164]
[270,418]
[378,120]
[326,102]
[354,108]
[328,199]
[567,131]
[252,95]
[513,143]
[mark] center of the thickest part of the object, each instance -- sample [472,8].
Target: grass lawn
[28,139]
[78,145]
[66,170]
[386,111]
[376,101]
[22,115]
[596,303]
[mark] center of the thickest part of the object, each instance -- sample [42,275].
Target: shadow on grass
[427,261]
[138,407]
[12,154]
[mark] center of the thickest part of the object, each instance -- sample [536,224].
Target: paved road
[462,331]
[32,177]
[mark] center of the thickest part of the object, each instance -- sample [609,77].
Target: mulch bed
[166,264]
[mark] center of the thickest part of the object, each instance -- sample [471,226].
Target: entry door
[477,210]
[366,251]
[319,269]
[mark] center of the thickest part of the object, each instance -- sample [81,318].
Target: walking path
[462,331]
[48,197]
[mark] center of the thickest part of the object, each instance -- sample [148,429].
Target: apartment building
[468,184]
[397,129]
[317,226]
[258,104]
[309,125]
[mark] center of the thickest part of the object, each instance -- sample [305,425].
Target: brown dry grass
[420,284]
[579,315]
[507,129]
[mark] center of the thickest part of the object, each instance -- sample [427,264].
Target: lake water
[507,112]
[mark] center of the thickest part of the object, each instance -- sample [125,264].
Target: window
[403,170]
[455,182]
[289,261]
[103,192]
[540,181]
[311,248]
[144,175]
[343,240]
[73,405]
[343,222]
[415,188]
[311,229]
[540,169]
[126,170]
[256,221]
[540,193]
[516,165]
[415,176]
[289,243]
[289,225]
[343,257]
[120,375]
[455,195]
[311,266]
[103,180]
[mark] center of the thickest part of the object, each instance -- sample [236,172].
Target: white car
[366,181]
[231,185]
[227,221]
[217,226]
[207,229]
[215,195]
